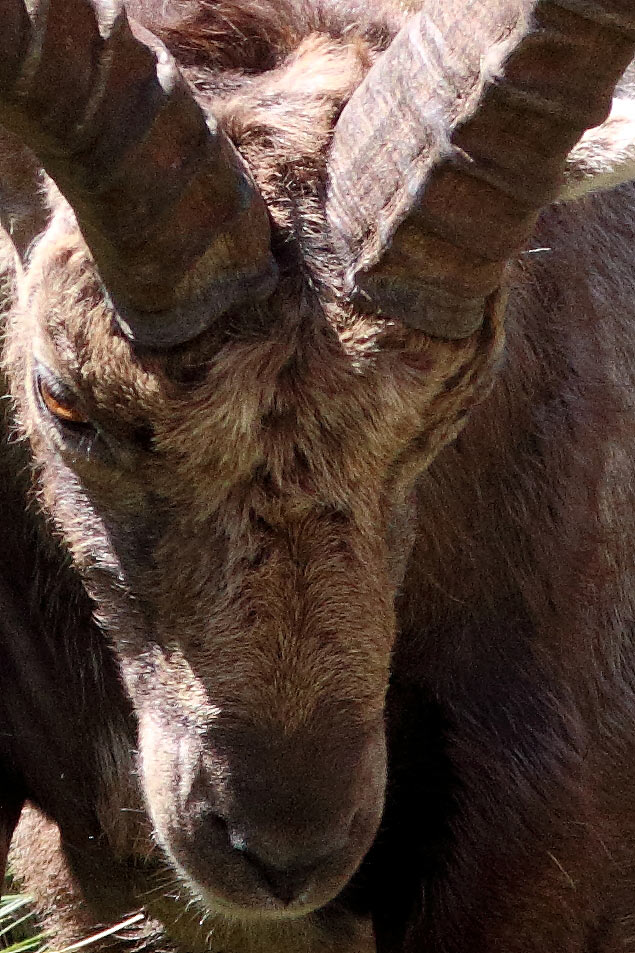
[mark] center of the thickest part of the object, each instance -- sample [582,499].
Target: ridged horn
[177,227]
[456,139]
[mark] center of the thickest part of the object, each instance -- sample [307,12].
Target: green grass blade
[17,925]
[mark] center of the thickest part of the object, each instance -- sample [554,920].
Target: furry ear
[605,155]
[23,208]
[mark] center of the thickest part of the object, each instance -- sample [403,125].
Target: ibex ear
[605,155]
[23,209]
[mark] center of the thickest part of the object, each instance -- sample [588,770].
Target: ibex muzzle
[263,822]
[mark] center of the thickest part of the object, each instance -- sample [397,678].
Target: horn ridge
[526,84]
[172,216]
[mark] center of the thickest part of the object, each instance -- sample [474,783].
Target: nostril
[290,872]
[216,830]
[286,885]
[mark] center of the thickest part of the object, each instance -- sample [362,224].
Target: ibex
[317,591]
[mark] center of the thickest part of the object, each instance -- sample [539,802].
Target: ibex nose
[282,824]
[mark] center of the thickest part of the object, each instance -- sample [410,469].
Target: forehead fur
[284,386]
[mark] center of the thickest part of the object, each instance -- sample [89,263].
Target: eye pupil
[60,408]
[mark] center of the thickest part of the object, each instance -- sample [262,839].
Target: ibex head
[231,382]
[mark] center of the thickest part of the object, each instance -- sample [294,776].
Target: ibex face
[239,509]
[227,442]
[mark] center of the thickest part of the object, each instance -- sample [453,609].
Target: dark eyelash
[83,428]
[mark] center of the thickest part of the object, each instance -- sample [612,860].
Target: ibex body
[329,612]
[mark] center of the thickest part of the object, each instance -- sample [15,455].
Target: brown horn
[23,209]
[456,139]
[176,225]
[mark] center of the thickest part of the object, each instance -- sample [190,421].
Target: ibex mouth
[265,826]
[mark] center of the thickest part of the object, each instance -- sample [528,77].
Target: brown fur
[256,504]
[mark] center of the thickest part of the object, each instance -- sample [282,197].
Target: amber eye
[60,406]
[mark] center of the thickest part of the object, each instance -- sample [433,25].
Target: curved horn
[177,226]
[456,139]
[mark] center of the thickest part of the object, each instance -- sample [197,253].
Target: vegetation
[18,927]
